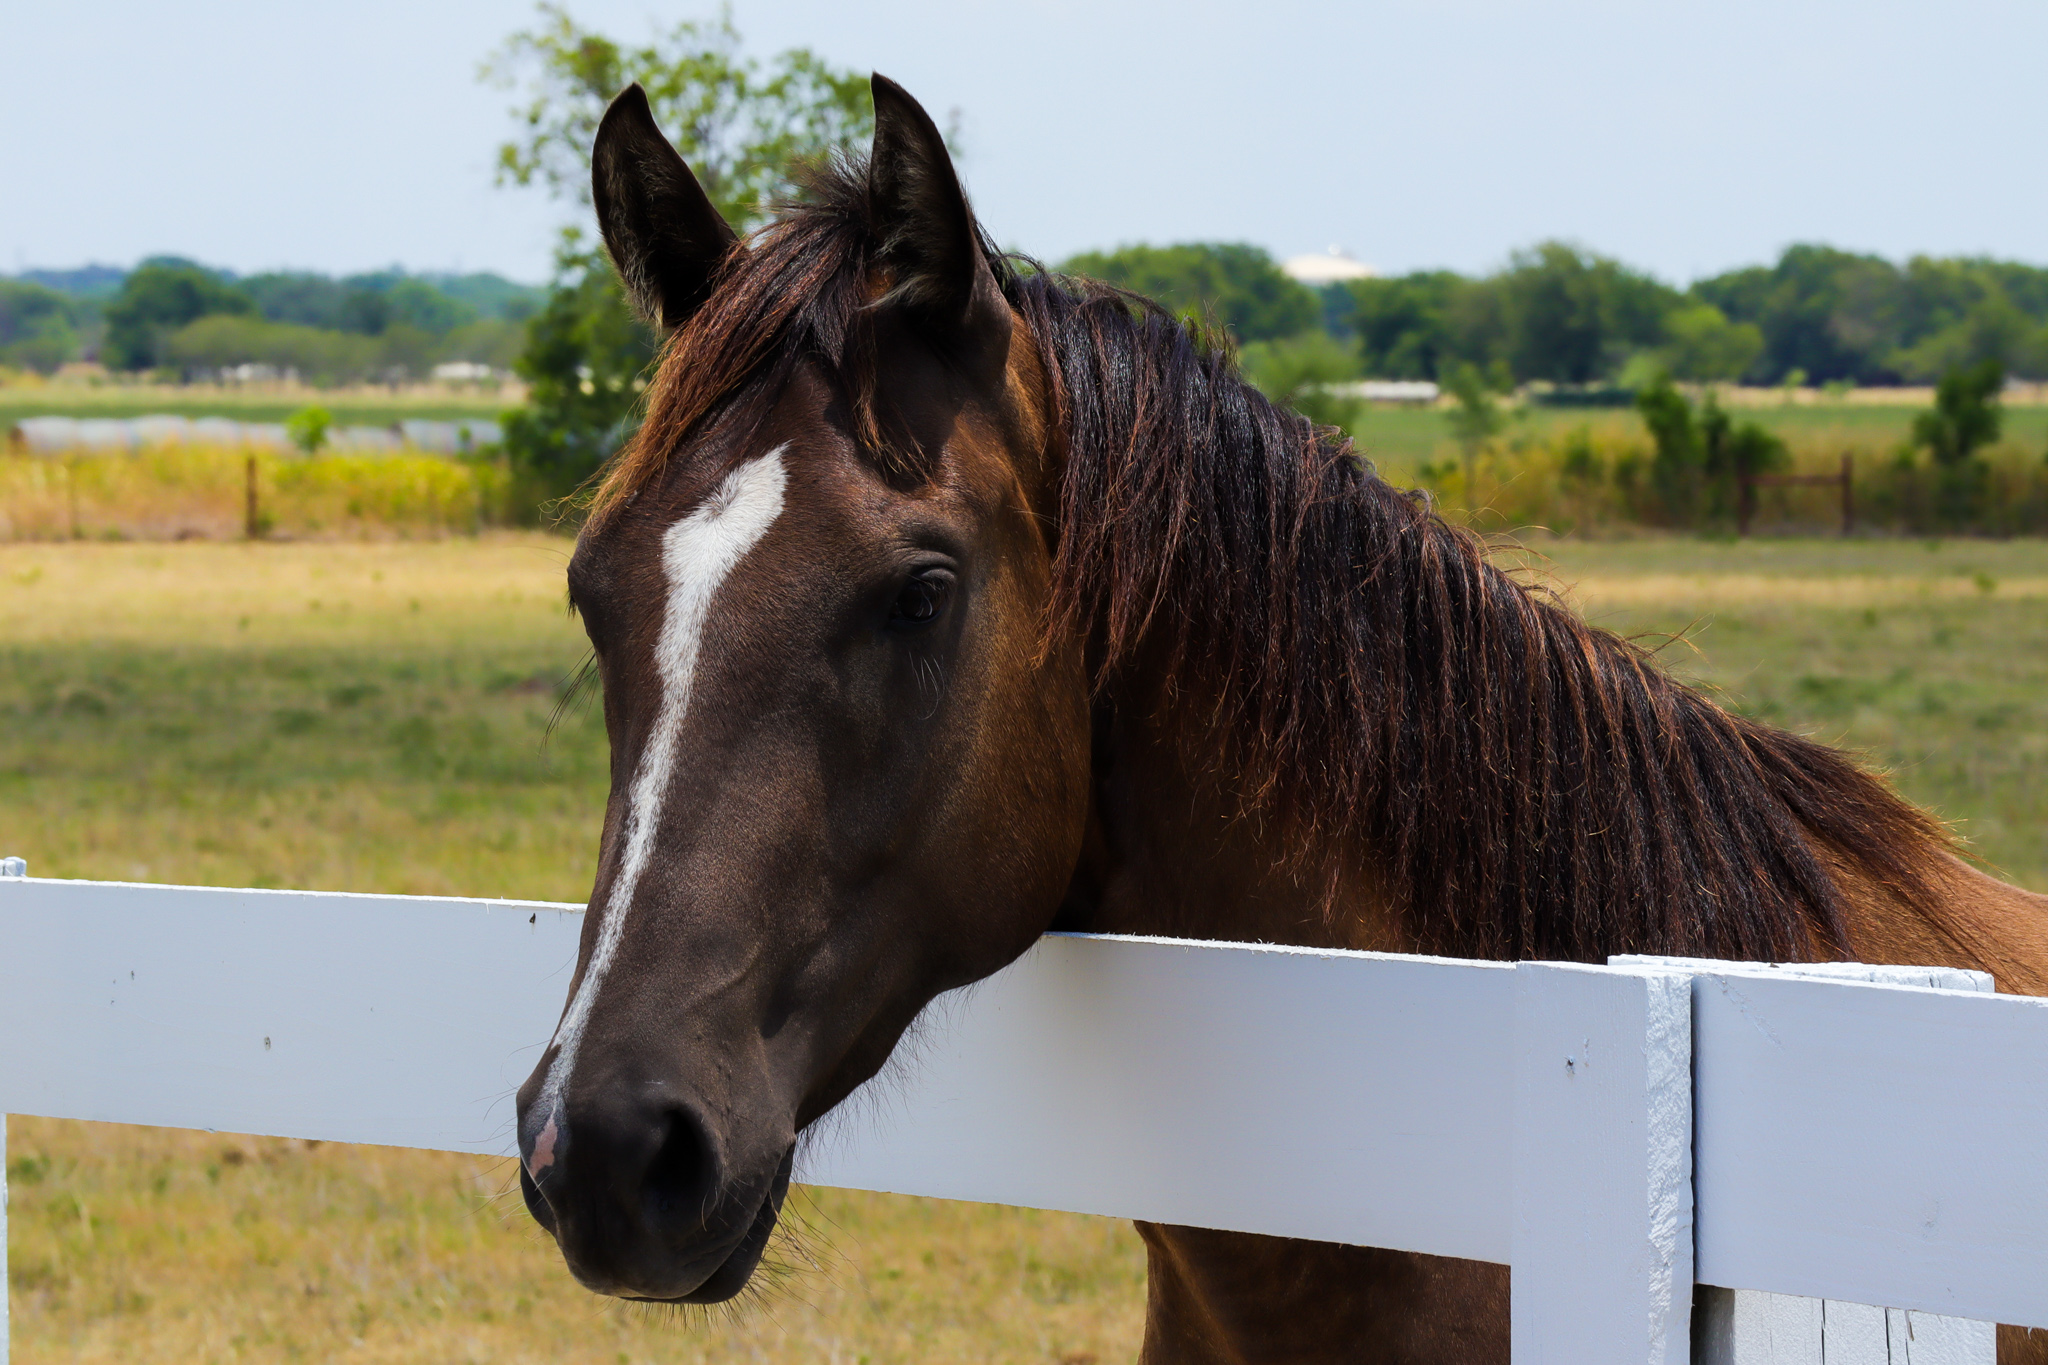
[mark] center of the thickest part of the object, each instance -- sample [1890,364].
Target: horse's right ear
[664,236]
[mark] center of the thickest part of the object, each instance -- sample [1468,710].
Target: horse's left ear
[663,233]
[928,237]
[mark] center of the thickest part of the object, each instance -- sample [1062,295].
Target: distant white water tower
[1334,266]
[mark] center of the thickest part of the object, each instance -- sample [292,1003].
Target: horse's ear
[928,237]
[664,236]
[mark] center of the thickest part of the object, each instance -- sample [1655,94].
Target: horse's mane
[1522,784]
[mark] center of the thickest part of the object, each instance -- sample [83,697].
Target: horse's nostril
[680,1180]
[536,1202]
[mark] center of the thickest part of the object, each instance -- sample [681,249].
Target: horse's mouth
[714,1274]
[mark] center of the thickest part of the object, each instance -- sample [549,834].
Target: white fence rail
[1857,1142]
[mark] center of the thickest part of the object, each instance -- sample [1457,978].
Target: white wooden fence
[1851,1136]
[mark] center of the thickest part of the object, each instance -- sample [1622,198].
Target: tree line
[175,315]
[1584,326]
[1558,314]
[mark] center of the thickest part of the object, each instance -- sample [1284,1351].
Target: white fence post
[5,1328]
[9,867]
[1602,1233]
[1753,1327]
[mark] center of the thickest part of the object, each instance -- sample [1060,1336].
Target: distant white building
[1417,391]
[465,372]
[1334,266]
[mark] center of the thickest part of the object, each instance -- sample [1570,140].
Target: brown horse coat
[941,601]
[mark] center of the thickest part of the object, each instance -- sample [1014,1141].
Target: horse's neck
[1170,852]
[1982,924]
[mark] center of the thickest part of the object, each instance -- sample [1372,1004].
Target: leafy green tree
[1833,314]
[1966,415]
[741,125]
[1993,330]
[1404,324]
[1703,345]
[38,326]
[160,297]
[1231,283]
[317,355]
[1573,317]
[1300,372]
[584,357]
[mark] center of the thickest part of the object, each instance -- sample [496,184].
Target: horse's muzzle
[641,1204]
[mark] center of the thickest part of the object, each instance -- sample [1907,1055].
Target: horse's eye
[922,600]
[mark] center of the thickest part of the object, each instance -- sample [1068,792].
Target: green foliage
[307,428]
[1476,417]
[1569,317]
[1842,316]
[1229,283]
[1965,416]
[583,362]
[38,326]
[1704,346]
[1572,317]
[1299,372]
[318,355]
[1404,324]
[160,297]
[741,126]
[496,342]
[1701,455]
[1992,331]
[369,304]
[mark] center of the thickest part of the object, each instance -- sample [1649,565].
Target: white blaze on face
[698,553]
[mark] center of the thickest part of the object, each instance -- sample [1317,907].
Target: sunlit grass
[187,491]
[374,717]
[1928,657]
[141,1244]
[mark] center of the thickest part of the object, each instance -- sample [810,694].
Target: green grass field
[376,717]
[362,406]
[1399,440]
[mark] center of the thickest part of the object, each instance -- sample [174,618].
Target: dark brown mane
[1525,785]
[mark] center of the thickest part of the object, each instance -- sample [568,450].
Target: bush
[584,364]
[1965,414]
[1700,456]
[307,428]
[1298,373]
[1228,282]
[157,299]
[38,327]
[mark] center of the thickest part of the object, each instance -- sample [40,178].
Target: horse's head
[847,773]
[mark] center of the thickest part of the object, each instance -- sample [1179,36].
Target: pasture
[1817,428]
[373,716]
[364,405]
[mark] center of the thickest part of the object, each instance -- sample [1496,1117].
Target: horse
[940,601]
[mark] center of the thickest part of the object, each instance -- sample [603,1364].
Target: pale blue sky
[1685,138]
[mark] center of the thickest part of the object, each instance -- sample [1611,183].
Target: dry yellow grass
[180,492]
[370,717]
[134,1244]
